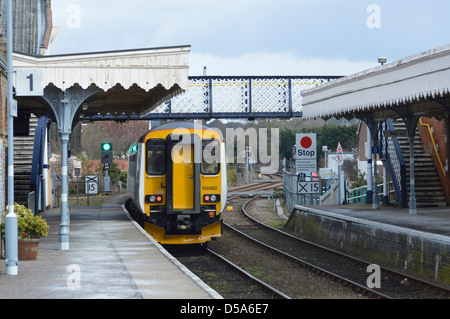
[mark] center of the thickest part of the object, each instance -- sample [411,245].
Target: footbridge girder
[218,97]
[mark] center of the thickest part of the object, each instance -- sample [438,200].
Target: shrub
[28,225]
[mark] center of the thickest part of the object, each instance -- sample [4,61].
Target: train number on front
[209,188]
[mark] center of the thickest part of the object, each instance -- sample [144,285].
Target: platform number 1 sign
[29,82]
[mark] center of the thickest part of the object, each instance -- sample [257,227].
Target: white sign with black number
[308,188]
[29,82]
[91,186]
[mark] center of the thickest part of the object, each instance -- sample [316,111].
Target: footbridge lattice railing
[234,97]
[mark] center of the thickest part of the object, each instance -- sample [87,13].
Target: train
[177,183]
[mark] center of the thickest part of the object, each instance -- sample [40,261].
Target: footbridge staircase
[394,151]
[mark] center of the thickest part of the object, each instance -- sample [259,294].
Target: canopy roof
[130,80]
[422,82]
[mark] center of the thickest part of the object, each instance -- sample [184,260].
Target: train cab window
[156,158]
[210,157]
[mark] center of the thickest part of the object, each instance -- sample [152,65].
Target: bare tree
[120,134]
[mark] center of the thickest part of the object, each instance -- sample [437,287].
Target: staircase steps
[428,187]
[23,158]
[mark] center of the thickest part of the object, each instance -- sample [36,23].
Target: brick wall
[362,134]
[440,134]
[123,164]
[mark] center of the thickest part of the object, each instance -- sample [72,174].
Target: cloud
[272,63]
[280,37]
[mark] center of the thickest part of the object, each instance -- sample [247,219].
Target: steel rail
[303,263]
[259,282]
[257,186]
[386,269]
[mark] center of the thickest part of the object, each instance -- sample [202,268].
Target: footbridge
[219,97]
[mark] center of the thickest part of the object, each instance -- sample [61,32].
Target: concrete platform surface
[110,256]
[430,220]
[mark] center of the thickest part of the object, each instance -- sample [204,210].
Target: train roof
[179,125]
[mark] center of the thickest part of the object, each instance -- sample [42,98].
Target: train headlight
[211,198]
[153,199]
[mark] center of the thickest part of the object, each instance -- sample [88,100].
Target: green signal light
[106,146]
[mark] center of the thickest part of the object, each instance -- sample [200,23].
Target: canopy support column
[410,120]
[65,106]
[411,125]
[372,125]
[63,237]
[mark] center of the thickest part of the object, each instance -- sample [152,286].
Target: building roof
[131,80]
[415,81]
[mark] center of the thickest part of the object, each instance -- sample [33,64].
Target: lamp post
[11,242]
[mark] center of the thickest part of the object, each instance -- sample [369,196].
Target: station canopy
[420,82]
[129,81]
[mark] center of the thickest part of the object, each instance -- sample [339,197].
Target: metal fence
[359,195]
[77,192]
[292,197]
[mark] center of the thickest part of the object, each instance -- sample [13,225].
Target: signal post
[106,160]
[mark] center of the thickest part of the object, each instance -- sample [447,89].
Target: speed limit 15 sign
[308,188]
[91,182]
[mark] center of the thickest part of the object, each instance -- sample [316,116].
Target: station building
[32,27]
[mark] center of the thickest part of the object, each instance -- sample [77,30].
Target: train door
[183,174]
[183,177]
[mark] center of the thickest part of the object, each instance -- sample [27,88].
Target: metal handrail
[37,166]
[434,145]
[391,153]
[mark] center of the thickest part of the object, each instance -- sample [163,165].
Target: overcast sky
[258,37]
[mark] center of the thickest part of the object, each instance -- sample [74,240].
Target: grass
[257,272]
[97,200]
[278,224]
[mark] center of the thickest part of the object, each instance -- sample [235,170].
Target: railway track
[331,264]
[275,270]
[228,279]
[258,186]
[252,260]
[277,277]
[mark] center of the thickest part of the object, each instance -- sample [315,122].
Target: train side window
[210,157]
[156,158]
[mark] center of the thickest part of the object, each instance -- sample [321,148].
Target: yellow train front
[177,182]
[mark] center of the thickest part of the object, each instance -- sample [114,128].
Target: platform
[417,245]
[110,257]
[433,220]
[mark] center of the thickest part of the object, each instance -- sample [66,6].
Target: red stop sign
[306,142]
